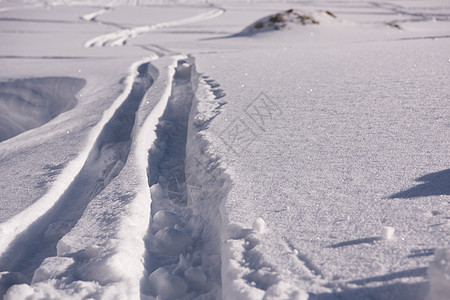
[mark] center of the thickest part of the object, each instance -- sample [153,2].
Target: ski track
[28,248]
[120,37]
[187,252]
[92,17]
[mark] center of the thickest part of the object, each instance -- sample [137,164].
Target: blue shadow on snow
[434,184]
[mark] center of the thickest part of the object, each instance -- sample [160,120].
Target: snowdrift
[29,103]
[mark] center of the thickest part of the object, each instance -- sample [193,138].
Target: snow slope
[231,150]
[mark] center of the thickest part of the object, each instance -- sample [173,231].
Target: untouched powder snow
[230,149]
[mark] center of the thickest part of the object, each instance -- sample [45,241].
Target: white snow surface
[157,149]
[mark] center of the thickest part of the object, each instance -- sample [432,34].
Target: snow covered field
[157,149]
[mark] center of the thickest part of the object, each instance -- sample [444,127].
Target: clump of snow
[89,252]
[439,272]
[387,233]
[51,289]
[284,290]
[167,284]
[157,191]
[172,240]
[19,291]
[259,225]
[163,219]
[51,267]
[184,70]
[283,19]
[102,270]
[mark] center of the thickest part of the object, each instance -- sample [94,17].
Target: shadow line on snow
[421,252]
[418,272]
[369,240]
[434,184]
[39,21]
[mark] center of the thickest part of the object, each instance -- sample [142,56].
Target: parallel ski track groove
[104,162]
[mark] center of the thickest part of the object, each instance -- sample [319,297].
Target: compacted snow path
[183,249]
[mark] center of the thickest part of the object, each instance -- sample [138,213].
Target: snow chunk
[183,265]
[183,70]
[259,225]
[157,192]
[163,219]
[172,240]
[387,233]
[166,284]
[89,252]
[51,267]
[102,270]
[53,289]
[20,291]
[439,272]
[284,290]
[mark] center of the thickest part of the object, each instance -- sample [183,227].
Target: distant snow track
[26,250]
[91,17]
[120,37]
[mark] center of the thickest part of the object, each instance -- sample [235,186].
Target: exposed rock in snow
[287,18]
